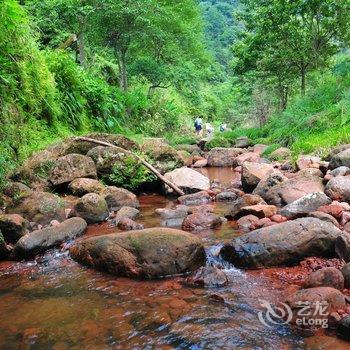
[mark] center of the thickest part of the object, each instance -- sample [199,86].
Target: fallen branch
[146,164]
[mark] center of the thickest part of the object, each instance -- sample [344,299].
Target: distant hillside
[220,27]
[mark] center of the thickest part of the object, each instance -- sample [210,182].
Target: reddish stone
[248,223]
[326,277]
[278,218]
[259,210]
[335,210]
[200,163]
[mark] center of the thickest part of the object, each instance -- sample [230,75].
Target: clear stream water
[55,303]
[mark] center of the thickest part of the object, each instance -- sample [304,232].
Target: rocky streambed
[90,265]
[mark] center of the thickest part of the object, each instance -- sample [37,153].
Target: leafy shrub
[217,141]
[269,149]
[130,174]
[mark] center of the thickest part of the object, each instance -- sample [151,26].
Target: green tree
[289,38]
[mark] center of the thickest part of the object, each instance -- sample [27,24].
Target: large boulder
[223,157]
[13,227]
[40,207]
[162,156]
[311,298]
[189,180]
[80,187]
[282,244]
[305,205]
[39,241]
[92,207]
[338,188]
[70,167]
[83,147]
[340,159]
[105,158]
[326,277]
[253,173]
[290,190]
[117,197]
[149,253]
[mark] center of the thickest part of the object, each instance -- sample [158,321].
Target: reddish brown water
[54,303]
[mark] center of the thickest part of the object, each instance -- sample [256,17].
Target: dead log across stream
[146,164]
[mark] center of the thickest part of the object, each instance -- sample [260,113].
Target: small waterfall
[214,259]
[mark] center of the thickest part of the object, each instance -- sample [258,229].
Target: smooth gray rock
[39,241]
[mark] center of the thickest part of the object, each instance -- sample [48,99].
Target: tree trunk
[123,77]
[303,80]
[81,49]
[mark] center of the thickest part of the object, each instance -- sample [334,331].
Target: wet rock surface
[149,253]
[282,244]
[259,231]
[38,241]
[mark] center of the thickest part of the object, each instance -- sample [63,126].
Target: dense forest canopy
[152,66]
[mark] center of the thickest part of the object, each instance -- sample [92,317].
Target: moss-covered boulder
[13,227]
[41,208]
[83,147]
[117,197]
[149,253]
[81,186]
[162,156]
[70,167]
[92,208]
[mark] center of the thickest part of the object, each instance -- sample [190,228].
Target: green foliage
[217,141]
[176,139]
[269,149]
[316,122]
[130,174]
